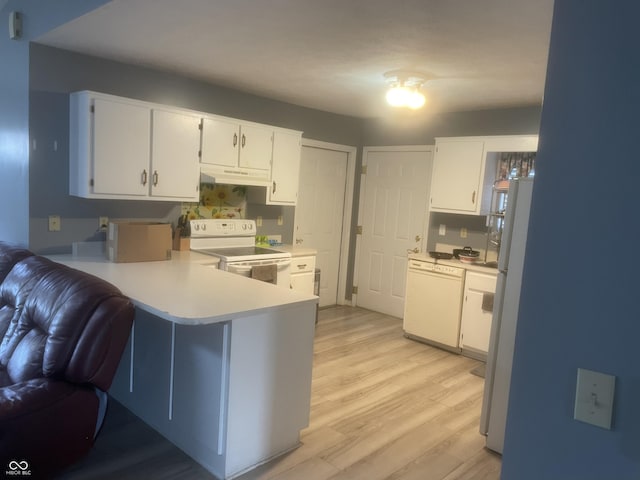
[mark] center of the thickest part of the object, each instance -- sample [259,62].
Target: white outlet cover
[594,398]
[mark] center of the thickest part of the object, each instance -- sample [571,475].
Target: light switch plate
[594,398]
[442,231]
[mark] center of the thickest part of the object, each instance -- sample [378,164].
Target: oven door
[245,268]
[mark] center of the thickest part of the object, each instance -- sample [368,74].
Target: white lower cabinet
[303,273]
[477,312]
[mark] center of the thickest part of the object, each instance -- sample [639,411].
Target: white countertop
[186,289]
[455,263]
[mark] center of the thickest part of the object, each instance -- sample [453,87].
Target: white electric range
[233,242]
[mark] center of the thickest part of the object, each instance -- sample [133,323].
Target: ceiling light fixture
[404,89]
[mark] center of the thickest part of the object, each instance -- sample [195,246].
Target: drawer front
[302,264]
[481,282]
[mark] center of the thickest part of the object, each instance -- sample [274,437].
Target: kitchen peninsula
[218,363]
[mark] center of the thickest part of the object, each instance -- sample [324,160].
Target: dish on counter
[441,255]
[468,255]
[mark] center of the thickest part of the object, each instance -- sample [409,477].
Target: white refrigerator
[505,313]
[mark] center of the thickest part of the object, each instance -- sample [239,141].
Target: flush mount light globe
[404,89]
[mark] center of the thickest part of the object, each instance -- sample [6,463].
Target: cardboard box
[138,241]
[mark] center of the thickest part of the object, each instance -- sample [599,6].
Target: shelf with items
[495,221]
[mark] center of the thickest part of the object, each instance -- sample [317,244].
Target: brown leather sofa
[62,334]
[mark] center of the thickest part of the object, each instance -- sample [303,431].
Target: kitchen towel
[265,273]
[487,302]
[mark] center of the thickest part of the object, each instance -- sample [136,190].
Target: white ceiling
[331,54]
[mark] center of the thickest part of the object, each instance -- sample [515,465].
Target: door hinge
[363,170]
[354,290]
[91,182]
[92,109]
[359,230]
[200,125]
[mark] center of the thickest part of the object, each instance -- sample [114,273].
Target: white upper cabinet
[256,144]
[119,149]
[456,177]
[109,148]
[220,140]
[236,152]
[175,145]
[132,150]
[465,168]
[285,168]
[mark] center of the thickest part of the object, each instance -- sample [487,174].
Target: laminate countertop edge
[187,290]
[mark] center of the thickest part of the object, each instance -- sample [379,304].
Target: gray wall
[579,309]
[38,17]
[422,129]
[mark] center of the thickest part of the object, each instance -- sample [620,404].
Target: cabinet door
[285,168]
[220,142]
[476,311]
[302,282]
[174,155]
[121,148]
[303,274]
[457,176]
[256,147]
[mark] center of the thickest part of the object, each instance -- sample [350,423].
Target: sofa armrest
[49,423]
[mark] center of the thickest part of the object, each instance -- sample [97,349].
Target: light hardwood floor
[383,407]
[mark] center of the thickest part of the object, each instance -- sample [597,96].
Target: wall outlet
[258,221]
[280,220]
[54,223]
[103,223]
[442,231]
[463,232]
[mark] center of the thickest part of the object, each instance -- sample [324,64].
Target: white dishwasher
[433,303]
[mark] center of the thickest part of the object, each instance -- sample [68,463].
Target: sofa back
[9,256]
[60,323]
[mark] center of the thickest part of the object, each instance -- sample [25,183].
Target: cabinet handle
[155,178]
[244,140]
[473,197]
[300,267]
[144,177]
[235,139]
[273,189]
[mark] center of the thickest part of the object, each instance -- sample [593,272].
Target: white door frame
[348,206]
[363,180]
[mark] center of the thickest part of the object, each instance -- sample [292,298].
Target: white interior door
[393,209]
[320,211]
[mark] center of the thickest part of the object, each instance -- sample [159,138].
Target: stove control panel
[219,227]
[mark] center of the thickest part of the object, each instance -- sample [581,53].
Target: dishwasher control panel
[436,268]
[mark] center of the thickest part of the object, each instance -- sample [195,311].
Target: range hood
[234,175]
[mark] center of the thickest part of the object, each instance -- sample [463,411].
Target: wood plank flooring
[383,407]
